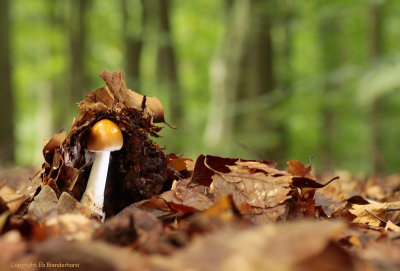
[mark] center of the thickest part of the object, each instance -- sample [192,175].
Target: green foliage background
[40,60]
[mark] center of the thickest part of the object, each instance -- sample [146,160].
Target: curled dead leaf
[51,145]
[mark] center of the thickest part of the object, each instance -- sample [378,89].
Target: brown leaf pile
[166,212]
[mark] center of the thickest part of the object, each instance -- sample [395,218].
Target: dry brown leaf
[67,204]
[155,205]
[44,202]
[355,241]
[296,168]
[115,82]
[12,247]
[390,226]
[248,184]
[3,219]
[152,105]
[180,164]
[202,173]
[12,198]
[373,189]
[51,145]
[265,215]
[101,95]
[117,91]
[222,209]
[362,216]
[266,247]
[71,227]
[382,255]
[331,198]
[187,199]
[97,256]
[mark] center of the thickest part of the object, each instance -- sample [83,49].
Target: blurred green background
[257,79]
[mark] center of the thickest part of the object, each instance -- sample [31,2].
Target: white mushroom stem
[94,193]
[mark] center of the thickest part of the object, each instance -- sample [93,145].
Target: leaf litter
[167,212]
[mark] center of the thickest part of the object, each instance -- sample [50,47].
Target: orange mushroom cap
[105,135]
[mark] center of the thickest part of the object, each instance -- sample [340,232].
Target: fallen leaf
[373,189]
[3,219]
[180,164]
[51,145]
[202,174]
[390,226]
[71,227]
[296,168]
[187,199]
[155,205]
[44,202]
[266,247]
[223,209]
[67,204]
[330,198]
[362,216]
[355,241]
[86,255]
[246,184]
[10,199]
[12,246]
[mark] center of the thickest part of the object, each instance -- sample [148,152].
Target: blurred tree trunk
[59,90]
[285,79]
[287,15]
[167,70]
[258,82]
[77,35]
[257,73]
[329,34]
[375,38]
[243,72]
[6,101]
[226,68]
[133,25]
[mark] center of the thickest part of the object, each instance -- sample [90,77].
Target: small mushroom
[105,137]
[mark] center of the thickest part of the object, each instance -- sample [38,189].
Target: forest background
[257,79]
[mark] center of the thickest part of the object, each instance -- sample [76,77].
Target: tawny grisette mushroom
[105,137]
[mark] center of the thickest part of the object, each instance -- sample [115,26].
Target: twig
[393,209]
[377,217]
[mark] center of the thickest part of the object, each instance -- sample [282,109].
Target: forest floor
[349,224]
[165,212]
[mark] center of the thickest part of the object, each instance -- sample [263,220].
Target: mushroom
[105,137]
